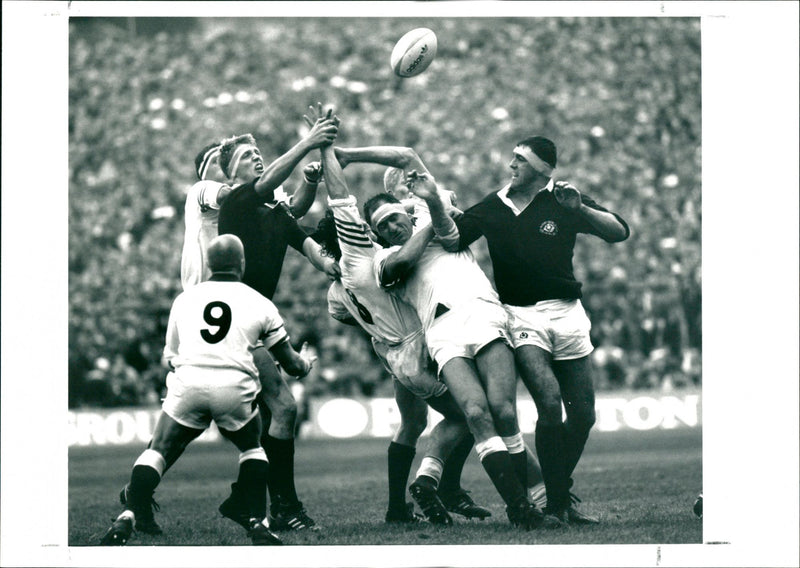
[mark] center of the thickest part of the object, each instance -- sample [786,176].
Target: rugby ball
[414,52]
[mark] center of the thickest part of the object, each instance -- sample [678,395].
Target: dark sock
[252,486]
[144,480]
[520,463]
[454,465]
[280,454]
[400,458]
[501,472]
[550,449]
[574,442]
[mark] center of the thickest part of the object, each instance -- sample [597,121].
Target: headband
[384,211]
[237,156]
[535,161]
[210,155]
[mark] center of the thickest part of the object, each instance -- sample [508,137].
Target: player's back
[447,278]
[384,316]
[201,215]
[217,323]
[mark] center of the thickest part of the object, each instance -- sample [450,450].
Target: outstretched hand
[421,184]
[567,195]
[307,358]
[324,126]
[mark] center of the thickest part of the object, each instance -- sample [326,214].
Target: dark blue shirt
[265,229]
[531,252]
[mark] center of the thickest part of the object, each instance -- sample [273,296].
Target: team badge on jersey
[549,228]
[523,335]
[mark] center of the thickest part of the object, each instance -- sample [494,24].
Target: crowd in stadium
[621,97]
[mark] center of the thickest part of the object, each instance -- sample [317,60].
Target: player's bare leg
[461,376]
[455,498]
[534,364]
[496,368]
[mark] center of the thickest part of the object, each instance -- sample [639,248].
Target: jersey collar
[503,196]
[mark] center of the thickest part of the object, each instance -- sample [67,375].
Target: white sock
[490,446]
[515,443]
[126,514]
[432,467]
[151,458]
[538,495]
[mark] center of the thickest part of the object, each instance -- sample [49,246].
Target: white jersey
[216,324]
[440,277]
[384,316]
[419,210]
[201,216]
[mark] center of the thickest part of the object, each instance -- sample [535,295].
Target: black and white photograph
[400,284]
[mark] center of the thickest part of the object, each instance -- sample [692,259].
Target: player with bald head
[226,255]
[212,330]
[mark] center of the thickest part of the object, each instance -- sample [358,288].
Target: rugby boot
[145,520]
[525,516]
[432,507]
[119,533]
[260,535]
[405,515]
[461,503]
[233,509]
[290,517]
[577,517]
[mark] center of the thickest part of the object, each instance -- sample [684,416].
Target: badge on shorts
[549,228]
[523,335]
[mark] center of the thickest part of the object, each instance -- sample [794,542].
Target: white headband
[210,155]
[535,161]
[237,156]
[384,211]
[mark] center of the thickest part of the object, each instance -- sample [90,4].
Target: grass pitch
[641,485]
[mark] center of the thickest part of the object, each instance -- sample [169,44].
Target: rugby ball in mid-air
[414,52]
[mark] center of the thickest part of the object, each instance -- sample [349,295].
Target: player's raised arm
[323,131]
[394,156]
[422,185]
[335,182]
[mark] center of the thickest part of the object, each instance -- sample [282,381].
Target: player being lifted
[211,332]
[397,338]
[267,228]
[465,328]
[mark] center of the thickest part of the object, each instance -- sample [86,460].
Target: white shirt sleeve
[378,263]
[207,192]
[274,331]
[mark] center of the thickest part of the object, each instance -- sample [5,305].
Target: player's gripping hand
[307,358]
[324,126]
[332,270]
[313,172]
[421,184]
[567,195]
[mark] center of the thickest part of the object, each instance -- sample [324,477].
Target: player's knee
[477,416]
[506,416]
[284,414]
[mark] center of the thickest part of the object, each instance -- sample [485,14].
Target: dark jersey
[265,231]
[531,252]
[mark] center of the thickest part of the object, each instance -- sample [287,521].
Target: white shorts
[560,327]
[410,364]
[198,395]
[464,330]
